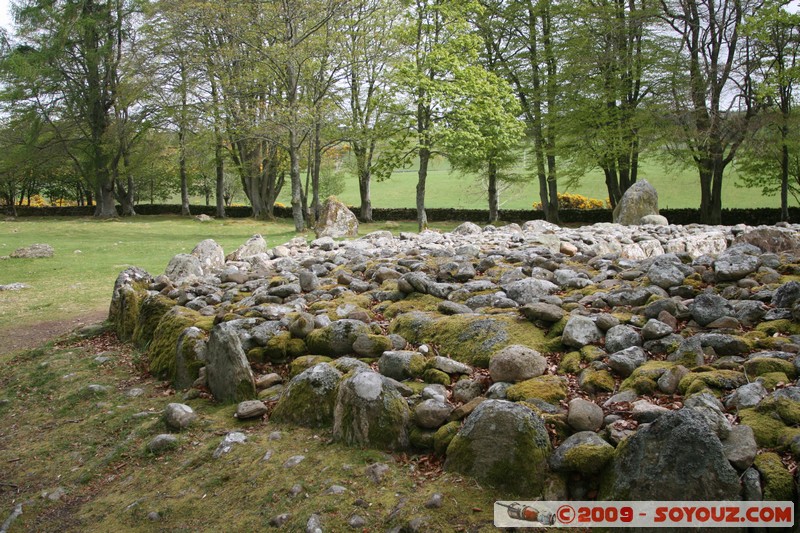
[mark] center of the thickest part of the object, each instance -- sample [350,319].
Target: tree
[612,56]
[715,101]
[483,133]
[66,68]
[371,50]
[771,157]
[442,69]
[519,41]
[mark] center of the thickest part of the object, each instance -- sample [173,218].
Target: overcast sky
[5,16]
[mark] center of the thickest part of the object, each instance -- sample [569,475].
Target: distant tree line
[110,102]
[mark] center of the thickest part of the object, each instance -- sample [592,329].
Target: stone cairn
[607,361]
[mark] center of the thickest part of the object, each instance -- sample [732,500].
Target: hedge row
[752,217]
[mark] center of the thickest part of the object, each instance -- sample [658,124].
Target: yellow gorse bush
[575,201]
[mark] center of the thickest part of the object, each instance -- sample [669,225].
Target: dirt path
[28,337]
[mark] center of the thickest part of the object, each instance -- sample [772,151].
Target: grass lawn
[89,254]
[677,188]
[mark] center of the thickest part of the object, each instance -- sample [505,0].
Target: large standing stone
[336,220]
[229,376]
[309,398]
[503,444]
[641,199]
[677,457]
[371,412]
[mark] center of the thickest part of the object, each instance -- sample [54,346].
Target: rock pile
[635,362]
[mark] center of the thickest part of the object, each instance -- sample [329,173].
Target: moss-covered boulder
[777,481]
[229,376]
[644,380]
[769,429]
[551,389]
[371,412]
[190,356]
[412,302]
[584,452]
[758,366]
[468,338]
[785,325]
[309,398]
[130,288]
[716,381]
[402,364]
[570,363]
[162,352]
[282,347]
[337,338]
[444,436]
[371,345]
[432,375]
[596,381]
[153,308]
[504,445]
[677,457]
[305,362]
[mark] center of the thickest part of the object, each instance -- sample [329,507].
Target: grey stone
[528,291]
[580,331]
[516,363]
[584,415]
[655,329]
[449,366]
[435,501]
[711,410]
[250,409]
[356,522]
[786,295]
[227,368]
[452,308]
[309,281]
[640,200]
[431,414]
[665,276]
[751,482]
[337,338]
[466,390]
[279,520]
[668,381]
[740,447]
[184,268]
[178,416]
[293,461]
[254,246]
[542,311]
[748,395]
[707,308]
[210,255]
[14,287]
[645,412]
[400,364]
[624,362]
[314,524]
[677,457]
[336,220]
[732,267]
[234,437]
[621,337]
[654,220]
[161,443]
[376,472]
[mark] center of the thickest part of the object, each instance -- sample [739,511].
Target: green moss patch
[785,326]
[769,430]
[716,380]
[471,339]
[551,389]
[759,366]
[778,482]
[413,302]
[162,351]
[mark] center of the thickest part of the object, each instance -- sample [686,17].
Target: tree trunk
[182,171]
[315,203]
[424,158]
[106,205]
[494,199]
[364,178]
[784,182]
[297,186]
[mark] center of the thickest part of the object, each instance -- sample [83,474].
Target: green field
[677,188]
[89,254]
